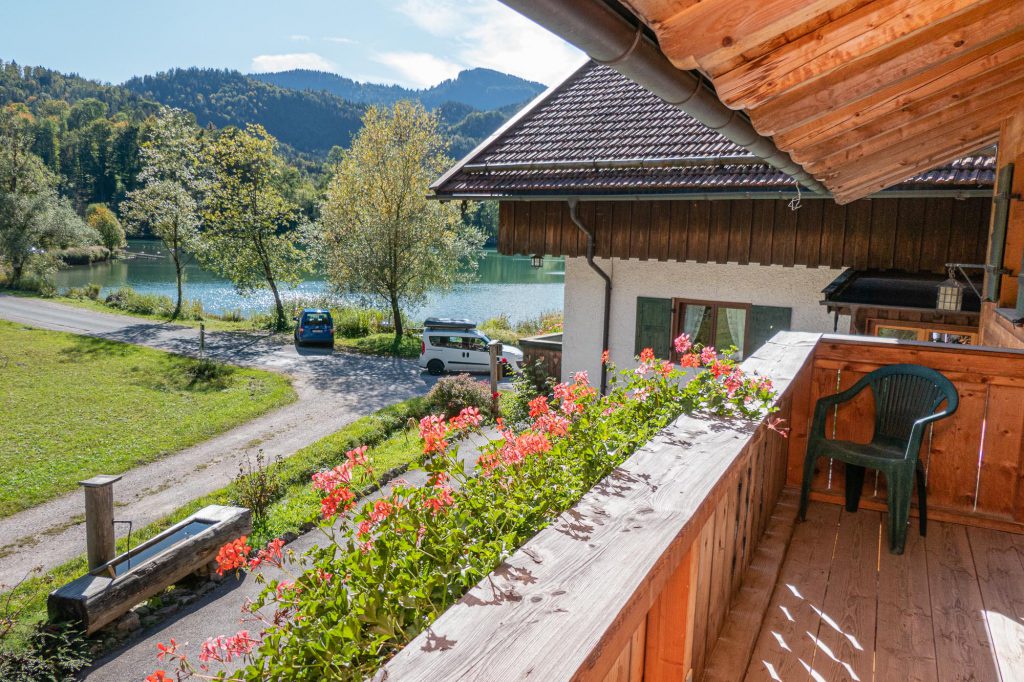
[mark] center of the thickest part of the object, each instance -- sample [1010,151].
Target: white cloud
[270,63]
[488,34]
[419,69]
[299,37]
[340,40]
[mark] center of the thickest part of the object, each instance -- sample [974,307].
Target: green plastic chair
[906,397]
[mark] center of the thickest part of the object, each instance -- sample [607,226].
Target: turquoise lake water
[504,284]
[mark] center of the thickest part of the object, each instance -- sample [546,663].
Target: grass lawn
[381,344]
[76,406]
[392,444]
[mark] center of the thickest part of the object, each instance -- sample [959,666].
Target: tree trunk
[277,303]
[17,267]
[397,316]
[177,273]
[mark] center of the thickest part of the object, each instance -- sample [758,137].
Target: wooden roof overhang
[861,93]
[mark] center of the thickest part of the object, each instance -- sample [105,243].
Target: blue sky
[415,43]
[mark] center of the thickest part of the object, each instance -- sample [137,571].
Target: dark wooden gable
[910,234]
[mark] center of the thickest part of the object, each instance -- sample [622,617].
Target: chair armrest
[917,431]
[827,402]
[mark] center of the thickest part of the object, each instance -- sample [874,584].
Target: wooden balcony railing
[638,581]
[973,460]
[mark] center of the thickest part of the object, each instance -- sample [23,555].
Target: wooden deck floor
[844,608]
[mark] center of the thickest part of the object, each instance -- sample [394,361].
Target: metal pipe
[600,164]
[607,37]
[575,216]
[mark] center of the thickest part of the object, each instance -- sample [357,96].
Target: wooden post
[99,519]
[202,340]
[494,348]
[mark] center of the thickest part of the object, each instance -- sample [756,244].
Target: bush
[38,274]
[450,395]
[257,486]
[531,382]
[90,292]
[131,301]
[103,220]
[83,255]
[232,315]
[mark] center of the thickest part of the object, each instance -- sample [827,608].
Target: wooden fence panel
[974,459]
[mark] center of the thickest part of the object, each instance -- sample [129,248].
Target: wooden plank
[1001,579]
[640,229]
[637,645]
[882,246]
[665,653]
[604,219]
[784,235]
[506,227]
[963,650]
[699,645]
[808,233]
[761,232]
[732,652]
[678,234]
[622,219]
[699,230]
[962,73]
[857,79]
[857,242]
[999,481]
[955,447]
[905,646]
[720,585]
[910,229]
[553,233]
[739,231]
[718,238]
[833,235]
[784,650]
[845,644]
[661,223]
[812,56]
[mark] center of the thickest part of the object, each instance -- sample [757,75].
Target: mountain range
[481,89]
[313,111]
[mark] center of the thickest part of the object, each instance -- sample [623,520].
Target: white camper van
[458,346]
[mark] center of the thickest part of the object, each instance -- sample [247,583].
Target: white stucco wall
[798,288]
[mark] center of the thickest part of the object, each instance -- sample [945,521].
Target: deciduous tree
[383,239]
[250,234]
[103,220]
[172,180]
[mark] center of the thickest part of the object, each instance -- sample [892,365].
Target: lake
[505,284]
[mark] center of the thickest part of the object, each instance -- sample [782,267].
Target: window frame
[922,329]
[679,314]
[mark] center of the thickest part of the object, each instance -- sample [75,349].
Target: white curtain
[692,319]
[736,319]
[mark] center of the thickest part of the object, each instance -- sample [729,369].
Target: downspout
[575,216]
[610,39]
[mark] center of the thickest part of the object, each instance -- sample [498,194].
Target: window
[459,342]
[937,333]
[713,324]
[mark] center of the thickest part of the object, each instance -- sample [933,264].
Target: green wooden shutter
[654,325]
[764,322]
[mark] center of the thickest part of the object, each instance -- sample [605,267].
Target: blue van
[314,325]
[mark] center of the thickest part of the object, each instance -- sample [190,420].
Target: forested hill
[310,122]
[482,89]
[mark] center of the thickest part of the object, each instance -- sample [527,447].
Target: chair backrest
[905,393]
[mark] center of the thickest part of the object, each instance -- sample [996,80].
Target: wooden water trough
[110,589]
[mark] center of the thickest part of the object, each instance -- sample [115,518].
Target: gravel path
[334,389]
[219,612]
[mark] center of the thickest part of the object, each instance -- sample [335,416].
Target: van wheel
[435,367]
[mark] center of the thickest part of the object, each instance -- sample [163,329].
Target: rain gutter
[606,321]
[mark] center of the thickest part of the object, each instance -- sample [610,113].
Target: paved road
[333,390]
[219,612]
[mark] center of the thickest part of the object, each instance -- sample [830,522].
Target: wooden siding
[914,235]
[974,460]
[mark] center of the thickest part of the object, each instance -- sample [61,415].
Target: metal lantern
[951,294]
[536,260]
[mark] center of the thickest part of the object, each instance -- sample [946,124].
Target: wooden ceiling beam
[909,165]
[815,55]
[715,32]
[968,74]
[989,109]
[907,152]
[857,81]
